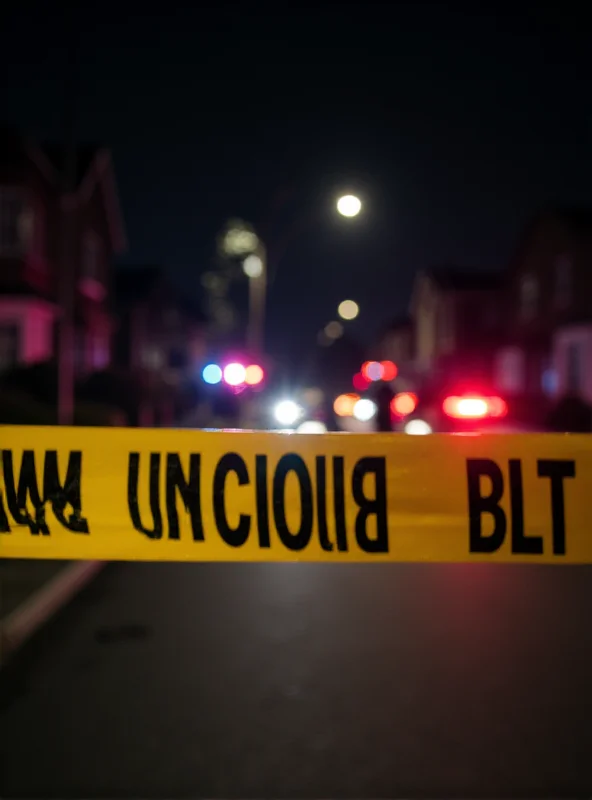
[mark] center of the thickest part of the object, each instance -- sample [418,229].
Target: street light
[349,205]
[253,266]
[241,241]
[348,309]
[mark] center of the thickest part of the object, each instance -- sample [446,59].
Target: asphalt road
[307,681]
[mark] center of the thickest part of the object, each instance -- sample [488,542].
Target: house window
[34,225]
[91,278]
[9,345]
[549,381]
[529,297]
[98,355]
[152,357]
[13,222]
[563,282]
[574,372]
[510,370]
[91,257]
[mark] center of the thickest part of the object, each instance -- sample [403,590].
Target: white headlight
[364,410]
[418,427]
[312,426]
[287,412]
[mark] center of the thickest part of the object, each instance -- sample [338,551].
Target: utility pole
[68,255]
[257,298]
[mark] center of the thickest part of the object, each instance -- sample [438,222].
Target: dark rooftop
[13,146]
[14,149]
[85,155]
[462,280]
[578,220]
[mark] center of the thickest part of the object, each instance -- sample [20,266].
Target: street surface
[307,681]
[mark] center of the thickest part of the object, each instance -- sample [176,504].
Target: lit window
[563,282]
[510,370]
[30,232]
[99,351]
[26,228]
[549,382]
[574,376]
[529,297]
[152,358]
[13,221]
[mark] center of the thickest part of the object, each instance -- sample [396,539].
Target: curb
[22,623]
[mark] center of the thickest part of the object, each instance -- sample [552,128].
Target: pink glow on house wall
[99,351]
[34,319]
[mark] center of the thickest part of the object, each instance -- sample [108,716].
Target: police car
[459,409]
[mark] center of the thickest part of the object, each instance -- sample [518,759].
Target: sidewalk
[32,591]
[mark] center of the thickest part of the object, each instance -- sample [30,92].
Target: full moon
[349,205]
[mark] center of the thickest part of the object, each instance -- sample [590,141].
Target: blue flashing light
[375,371]
[212,374]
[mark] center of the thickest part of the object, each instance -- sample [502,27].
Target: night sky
[455,123]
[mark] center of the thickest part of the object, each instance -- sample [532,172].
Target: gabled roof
[577,220]
[13,149]
[16,150]
[85,155]
[463,280]
[455,279]
[94,166]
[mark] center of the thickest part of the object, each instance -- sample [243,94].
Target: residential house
[31,254]
[396,343]
[160,338]
[456,318]
[548,318]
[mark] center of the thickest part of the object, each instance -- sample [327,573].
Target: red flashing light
[404,404]
[389,370]
[360,383]
[474,407]
[497,407]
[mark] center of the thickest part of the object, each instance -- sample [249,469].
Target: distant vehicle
[456,409]
[297,412]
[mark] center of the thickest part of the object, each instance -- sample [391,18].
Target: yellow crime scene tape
[181,495]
